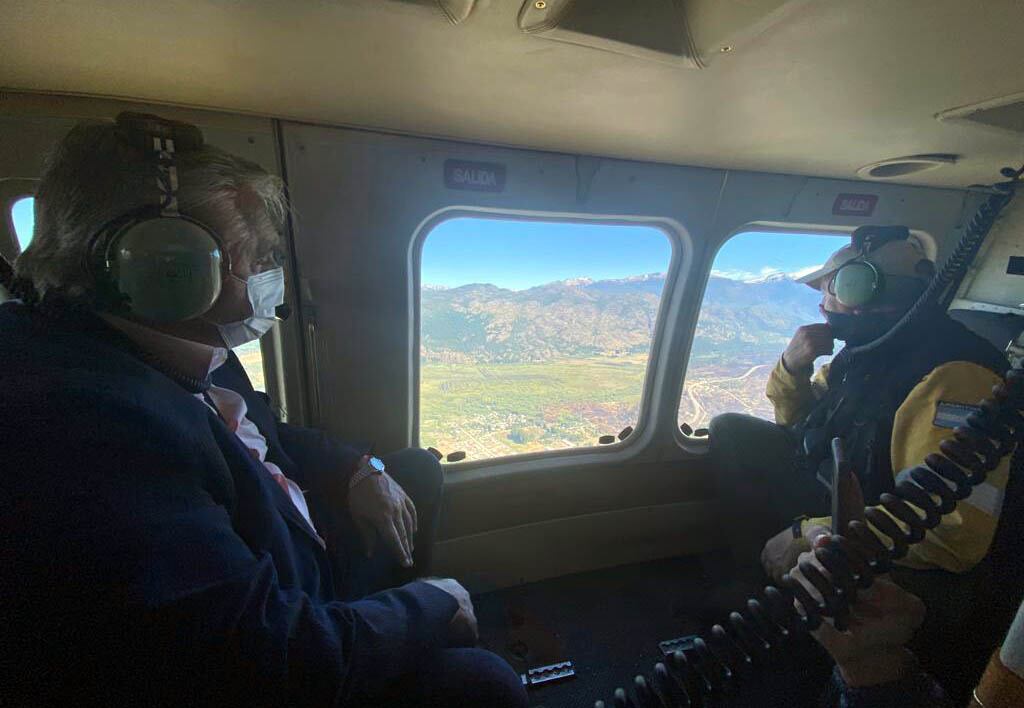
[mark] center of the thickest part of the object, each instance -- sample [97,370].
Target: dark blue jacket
[146,558]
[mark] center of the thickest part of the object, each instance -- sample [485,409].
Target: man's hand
[809,342]
[883,619]
[781,552]
[381,509]
[463,629]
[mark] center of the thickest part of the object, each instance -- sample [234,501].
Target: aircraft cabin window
[24,219]
[534,335]
[249,354]
[752,307]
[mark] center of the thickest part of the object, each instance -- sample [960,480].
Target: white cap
[894,258]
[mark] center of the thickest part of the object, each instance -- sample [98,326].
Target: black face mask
[860,329]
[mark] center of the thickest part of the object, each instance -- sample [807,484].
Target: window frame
[682,250]
[700,446]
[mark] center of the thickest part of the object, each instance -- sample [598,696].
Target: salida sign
[474,176]
[855,204]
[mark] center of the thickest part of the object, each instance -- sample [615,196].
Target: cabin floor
[609,623]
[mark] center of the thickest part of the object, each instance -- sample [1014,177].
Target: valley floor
[492,409]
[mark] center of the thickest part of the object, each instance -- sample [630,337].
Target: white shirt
[232,409]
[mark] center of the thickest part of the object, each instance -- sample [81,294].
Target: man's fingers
[395,539]
[410,528]
[823,344]
[798,574]
[406,539]
[412,510]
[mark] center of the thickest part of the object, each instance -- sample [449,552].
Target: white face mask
[266,292]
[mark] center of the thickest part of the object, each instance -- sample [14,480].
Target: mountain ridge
[582,317]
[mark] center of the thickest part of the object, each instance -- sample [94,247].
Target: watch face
[376,464]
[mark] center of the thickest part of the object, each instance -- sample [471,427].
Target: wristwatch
[368,467]
[798,525]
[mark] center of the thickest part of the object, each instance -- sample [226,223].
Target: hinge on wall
[312,363]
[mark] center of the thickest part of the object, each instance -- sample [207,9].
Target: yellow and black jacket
[893,407]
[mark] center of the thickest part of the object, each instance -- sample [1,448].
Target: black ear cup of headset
[157,264]
[161,268]
[858,283]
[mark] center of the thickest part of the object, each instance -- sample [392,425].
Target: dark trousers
[758,480]
[763,490]
[455,678]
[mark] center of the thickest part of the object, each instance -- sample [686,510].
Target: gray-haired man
[157,544]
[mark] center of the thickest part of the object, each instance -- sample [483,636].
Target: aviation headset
[859,282]
[155,263]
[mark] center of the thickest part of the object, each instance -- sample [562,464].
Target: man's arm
[323,463]
[145,524]
[927,417]
[794,394]
[789,387]
[246,634]
[325,467]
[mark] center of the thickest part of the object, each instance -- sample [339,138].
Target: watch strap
[365,470]
[798,525]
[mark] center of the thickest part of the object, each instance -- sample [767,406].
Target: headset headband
[870,238]
[162,139]
[156,263]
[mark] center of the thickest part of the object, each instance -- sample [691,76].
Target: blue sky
[23,220]
[521,254]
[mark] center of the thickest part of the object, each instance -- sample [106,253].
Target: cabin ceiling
[818,87]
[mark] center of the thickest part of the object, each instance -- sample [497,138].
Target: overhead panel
[1004,114]
[684,33]
[720,28]
[647,29]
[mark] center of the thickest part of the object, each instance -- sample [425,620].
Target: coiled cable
[922,496]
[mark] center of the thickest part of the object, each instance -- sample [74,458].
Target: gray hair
[92,178]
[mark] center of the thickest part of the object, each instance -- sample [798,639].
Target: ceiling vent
[1005,114]
[900,167]
[647,29]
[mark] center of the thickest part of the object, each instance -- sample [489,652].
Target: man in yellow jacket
[892,404]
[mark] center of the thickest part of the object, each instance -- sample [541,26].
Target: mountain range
[582,318]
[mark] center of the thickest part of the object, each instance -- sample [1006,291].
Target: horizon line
[736,276]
